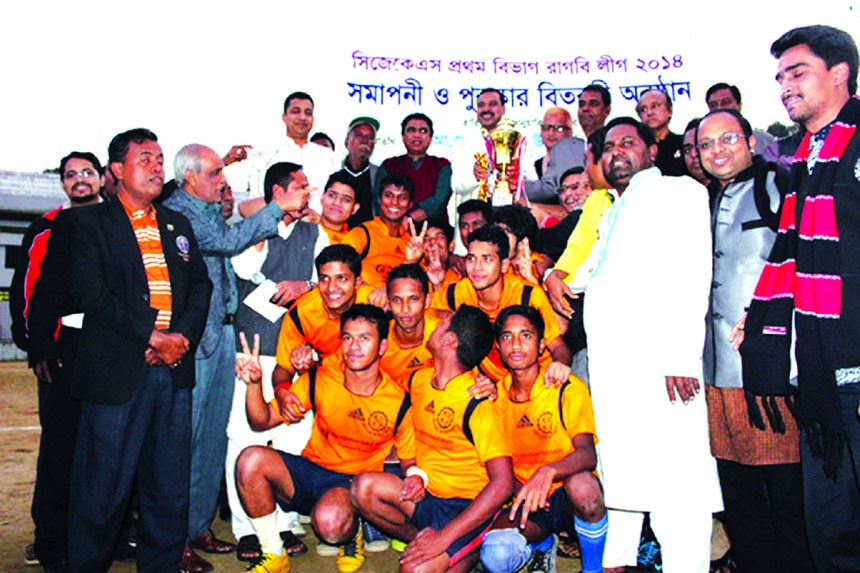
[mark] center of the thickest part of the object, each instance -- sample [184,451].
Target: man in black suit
[140,280]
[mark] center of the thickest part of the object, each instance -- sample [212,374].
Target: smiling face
[625,155]
[394,204]
[141,174]
[360,344]
[557,124]
[720,157]
[337,287]
[81,181]
[519,344]
[490,110]
[299,119]
[484,267]
[338,204]
[407,302]
[573,191]
[811,93]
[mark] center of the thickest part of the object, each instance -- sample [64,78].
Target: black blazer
[108,283]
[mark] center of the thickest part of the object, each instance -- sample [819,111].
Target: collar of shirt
[354,173]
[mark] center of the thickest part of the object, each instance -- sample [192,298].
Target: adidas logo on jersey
[431,407]
[357,414]
[524,422]
[415,363]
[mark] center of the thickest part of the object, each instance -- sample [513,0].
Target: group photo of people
[590,358]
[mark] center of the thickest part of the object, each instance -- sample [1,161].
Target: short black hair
[278,174]
[443,225]
[343,178]
[502,97]
[595,141]
[518,219]
[692,124]
[530,313]
[398,180]
[339,254]
[372,314]
[474,333]
[297,95]
[604,93]
[320,136]
[476,206]
[736,93]
[832,45]
[745,125]
[643,130]
[495,235]
[118,147]
[408,271]
[84,155]
[419,116]
[575,170]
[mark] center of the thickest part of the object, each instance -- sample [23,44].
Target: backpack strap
[527,295]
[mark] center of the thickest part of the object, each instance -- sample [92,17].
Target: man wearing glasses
[563,151]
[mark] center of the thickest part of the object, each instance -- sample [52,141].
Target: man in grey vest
[270,275]
[199,173]
[759,470]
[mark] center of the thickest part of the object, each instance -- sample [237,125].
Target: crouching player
[360,413]
[463,473]
[551,432]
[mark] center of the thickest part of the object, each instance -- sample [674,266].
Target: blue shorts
[310,482]
[558,518]
[437,512]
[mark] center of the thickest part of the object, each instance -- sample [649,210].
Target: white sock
[266,528]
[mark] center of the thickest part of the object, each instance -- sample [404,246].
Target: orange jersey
[399,363]
[351,433]
[335,237]
[455,466]
[513,288]
[307,322]
[380,252]
[536,432]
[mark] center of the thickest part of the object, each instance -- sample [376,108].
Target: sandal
[569,549]
[292,544]
[248,548]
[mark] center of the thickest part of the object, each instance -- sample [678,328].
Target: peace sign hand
[248,366]
[415,244]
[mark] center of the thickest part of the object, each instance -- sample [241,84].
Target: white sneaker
[294,524]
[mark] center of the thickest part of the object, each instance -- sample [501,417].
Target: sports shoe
[544,561]
[374,540]
[30,555]
[270,563]
[398,546]
[294,524]
[350,557]
[326,550]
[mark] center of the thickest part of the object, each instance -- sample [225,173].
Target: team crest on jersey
[444,419]
[377,422]
[183,246]
[546,424]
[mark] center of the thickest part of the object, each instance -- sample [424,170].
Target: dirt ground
[19,441]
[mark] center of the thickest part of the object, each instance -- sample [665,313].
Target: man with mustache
[644,353]
[81,177]
[358,170]
[199,173]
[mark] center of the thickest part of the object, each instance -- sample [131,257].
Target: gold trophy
[506,142]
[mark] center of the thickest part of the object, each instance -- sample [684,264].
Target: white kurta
[645,319]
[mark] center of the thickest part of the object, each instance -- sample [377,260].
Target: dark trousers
[833,506]
[146,440]
[764,517]
[58,416]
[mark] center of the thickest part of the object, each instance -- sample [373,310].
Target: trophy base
[502,198]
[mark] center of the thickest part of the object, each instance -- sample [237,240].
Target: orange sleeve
[288,338]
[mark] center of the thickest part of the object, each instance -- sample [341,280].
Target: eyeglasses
[555,128]
[729,138]
[83,174]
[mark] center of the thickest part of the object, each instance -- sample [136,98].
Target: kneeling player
[360,413]
[463,459]
[551,431]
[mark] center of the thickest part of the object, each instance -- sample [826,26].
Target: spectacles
[555,128]
[84,174]
[729,138]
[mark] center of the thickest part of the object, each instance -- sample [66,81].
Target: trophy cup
[505,148]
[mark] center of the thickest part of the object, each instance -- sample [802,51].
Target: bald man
[563,151]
